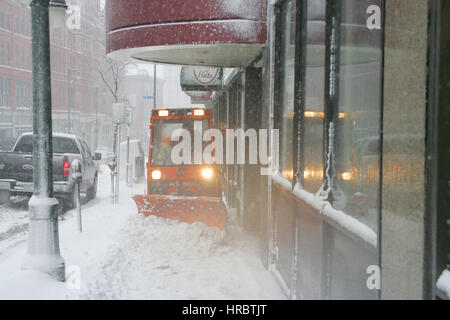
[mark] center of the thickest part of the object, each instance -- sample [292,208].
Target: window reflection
[314,97]
[357,134]
[286,92]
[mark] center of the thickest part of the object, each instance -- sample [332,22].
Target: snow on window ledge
[344,220]
[325,208]
[282,181]
[443,283]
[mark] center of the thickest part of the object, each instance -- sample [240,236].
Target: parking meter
[76,171]
[77,178]
[112,162]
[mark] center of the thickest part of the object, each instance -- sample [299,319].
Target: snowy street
[123,255]
[224,150]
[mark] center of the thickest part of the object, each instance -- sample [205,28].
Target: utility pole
[154,86]
[43,239]
[117,171]
[118,119]
[129,120]
[69,99]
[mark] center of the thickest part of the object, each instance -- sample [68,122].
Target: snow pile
[170,238]
[157,258]
[150,246]
[124,255]
[443,282]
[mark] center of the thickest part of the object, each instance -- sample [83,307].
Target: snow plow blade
[209,211]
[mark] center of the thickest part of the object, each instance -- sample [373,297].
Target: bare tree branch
[111,73]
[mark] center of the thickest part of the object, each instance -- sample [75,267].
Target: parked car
[16,168]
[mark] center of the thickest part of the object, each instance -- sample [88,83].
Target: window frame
[278,92]
[437,241]
[331,101]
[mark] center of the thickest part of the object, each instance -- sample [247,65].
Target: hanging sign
[206,75]
[201,78]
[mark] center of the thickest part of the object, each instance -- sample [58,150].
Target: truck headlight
[207,173]
[156,175]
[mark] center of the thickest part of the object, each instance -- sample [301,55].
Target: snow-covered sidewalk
[123,255]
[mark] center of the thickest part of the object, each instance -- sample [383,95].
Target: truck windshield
[162,144]
[60,145]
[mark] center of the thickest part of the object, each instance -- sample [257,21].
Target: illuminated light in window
[288,174]
[347,176]
[314,114]
[313,173]
[341,115]
[289,114]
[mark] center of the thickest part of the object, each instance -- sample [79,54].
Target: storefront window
[314,97]
[357,142]
[286,90]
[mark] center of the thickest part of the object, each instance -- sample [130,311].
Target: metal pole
[96,118]
[117,166]
[80,226]
[114,165]
[113,196]
[69,99]
[128,158]
[77,178]
[43,238]
[154,86]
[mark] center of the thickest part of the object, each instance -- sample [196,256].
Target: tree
[112,72]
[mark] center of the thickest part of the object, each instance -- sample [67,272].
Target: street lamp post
[129,121]
[43,240]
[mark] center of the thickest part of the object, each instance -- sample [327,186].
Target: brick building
[74,53]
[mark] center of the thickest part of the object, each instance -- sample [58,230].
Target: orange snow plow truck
[184,190]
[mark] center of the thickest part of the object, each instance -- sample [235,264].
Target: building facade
[78,93]
[138,92]
[357,205]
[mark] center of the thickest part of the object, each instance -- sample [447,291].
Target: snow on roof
[64,135]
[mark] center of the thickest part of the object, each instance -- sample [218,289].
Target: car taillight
[66,167]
